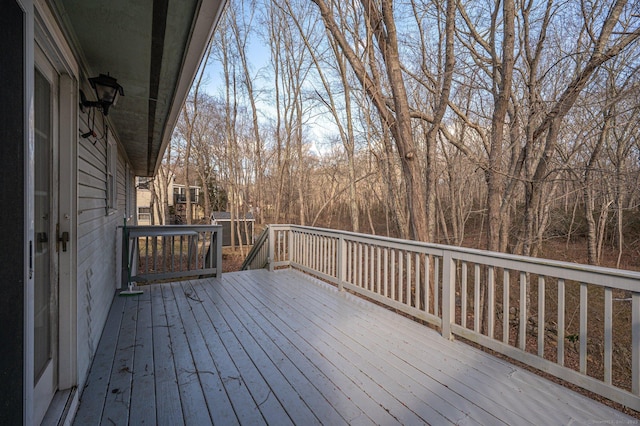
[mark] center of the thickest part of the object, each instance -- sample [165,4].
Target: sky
[319,128]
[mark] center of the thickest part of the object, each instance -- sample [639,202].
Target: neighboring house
[180,203]
[177,202]
[68,173]
[143,200]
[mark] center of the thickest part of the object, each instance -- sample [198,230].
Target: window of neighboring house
[144,215]
[144,182]
[179,195]
[194,194]
[112,161]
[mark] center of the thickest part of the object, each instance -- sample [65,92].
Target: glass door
[45,229]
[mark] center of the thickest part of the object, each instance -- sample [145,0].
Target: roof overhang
[154,48]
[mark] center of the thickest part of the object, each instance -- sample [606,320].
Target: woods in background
[512,121]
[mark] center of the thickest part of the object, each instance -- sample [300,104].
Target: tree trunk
[589,205]
[381,23]
[502,77]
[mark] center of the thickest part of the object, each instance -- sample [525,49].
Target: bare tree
[240,23]
[604,42]
[380,24]
[436,114]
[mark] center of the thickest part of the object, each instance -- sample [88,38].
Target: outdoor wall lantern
[107,91]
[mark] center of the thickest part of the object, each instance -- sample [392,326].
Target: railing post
[218,254]
[133,257]
[635,343]
[342,263]
[290,246]
[124,273]
[271,253]
[448,294]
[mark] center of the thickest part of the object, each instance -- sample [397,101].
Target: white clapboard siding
[97,243]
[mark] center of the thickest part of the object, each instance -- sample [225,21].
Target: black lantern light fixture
[107,91]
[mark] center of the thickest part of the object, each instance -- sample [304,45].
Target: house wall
[143,199]
[95,186]
[122,182]
[99,255]
[88,272]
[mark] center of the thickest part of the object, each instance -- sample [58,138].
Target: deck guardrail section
[538,317]
[158,253]
[580,323]
[394,272]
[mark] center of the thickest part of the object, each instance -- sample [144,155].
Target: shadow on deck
[260,347]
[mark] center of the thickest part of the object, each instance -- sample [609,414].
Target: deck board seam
[519,376]
[367,369]
[258,330]
[523,378]
[265,363]
[252,378]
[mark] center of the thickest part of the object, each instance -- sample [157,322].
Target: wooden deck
[282,348]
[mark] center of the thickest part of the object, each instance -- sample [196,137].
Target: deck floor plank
[295,362]
[292,400]
[248,373]
[341,350]
[380,332]
[304,390]
[168,405]
[117,404]
[194,405]
[331,375]
[475,367]
[143,395]
[283,348]
[427,405]
[206,371]
[463,361]
[244,406]
[95,390]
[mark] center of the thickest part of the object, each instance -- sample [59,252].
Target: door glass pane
[42,224]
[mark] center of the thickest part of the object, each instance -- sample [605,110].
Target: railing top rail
[620,278]
[167,230]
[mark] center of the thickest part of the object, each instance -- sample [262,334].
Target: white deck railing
[155,253]
[579,323]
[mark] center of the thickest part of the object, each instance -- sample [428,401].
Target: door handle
[64,238]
